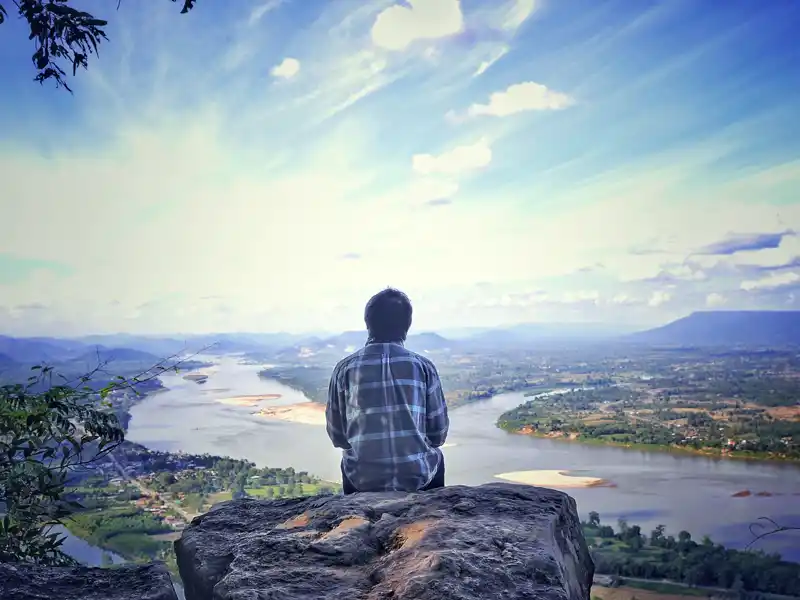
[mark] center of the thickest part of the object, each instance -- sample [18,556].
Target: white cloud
[658,298]
[398,26]
[521,97]
[623,298]
[714,300]
[771,281]
[454,162]
[288,68]
[686,272]
[580,296]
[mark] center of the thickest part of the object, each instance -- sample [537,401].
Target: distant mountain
[6,360]
[727,328]
[33,350]
[526,334]
[118,355]
[428,341]
[209,343]
[340,345]
[160,346]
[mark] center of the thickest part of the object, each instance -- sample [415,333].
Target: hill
[339,346]
[749,329]
[34,350]
[428,342]
[524,335]
[118,355]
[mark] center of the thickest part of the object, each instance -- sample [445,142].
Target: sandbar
[307,413]
[552,479]
[253,400]
[207,371]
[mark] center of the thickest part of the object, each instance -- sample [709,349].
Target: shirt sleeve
[437,421]
[334,414]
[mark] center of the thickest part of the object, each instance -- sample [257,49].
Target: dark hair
[388,316]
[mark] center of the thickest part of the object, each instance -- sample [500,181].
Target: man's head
[388,316]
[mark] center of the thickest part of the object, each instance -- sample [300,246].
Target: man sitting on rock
[386,408]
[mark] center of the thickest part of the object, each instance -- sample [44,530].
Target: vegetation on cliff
[628,552]
[52,427]
[63,36]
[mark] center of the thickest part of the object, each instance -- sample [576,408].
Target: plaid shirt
[386,410]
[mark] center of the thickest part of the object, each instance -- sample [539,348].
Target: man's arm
[437,421]
[334,414]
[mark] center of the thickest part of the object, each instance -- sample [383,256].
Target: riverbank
[672,449]
[305,413]
[251,400]
[553,478]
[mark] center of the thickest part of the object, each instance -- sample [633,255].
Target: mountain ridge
[746,328]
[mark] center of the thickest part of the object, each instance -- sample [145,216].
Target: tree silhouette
[63,36]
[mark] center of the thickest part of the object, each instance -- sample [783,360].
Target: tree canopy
[63,36]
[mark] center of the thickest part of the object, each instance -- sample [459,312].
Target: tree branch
[775,528]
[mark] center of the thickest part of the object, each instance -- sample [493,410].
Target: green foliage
[628,553]
[125,530]
[47,431]
[63,36]
[43,436]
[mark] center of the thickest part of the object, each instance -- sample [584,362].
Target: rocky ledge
[31,582]
[498,540]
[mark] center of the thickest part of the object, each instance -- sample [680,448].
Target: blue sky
[263,165]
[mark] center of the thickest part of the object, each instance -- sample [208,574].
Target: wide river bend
[680,491]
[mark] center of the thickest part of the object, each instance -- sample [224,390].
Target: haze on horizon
[267,166]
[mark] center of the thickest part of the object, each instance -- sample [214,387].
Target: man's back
[387,411]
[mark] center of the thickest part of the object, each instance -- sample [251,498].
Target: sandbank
[207,371]
[552,479]
[307,413]
[253,400]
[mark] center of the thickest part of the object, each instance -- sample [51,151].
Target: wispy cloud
[285,159]
[743,243]
[772,281]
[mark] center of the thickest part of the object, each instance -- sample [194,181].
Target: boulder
[498,540]
[127,582]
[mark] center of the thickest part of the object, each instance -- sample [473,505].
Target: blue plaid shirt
[386,410]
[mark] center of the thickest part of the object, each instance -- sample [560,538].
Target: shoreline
[249,400]
[706,453]
[553,478]
[304,413]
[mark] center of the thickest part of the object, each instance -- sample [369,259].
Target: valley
[227,423]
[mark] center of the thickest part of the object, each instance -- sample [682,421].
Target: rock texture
[129,582]
[496,541]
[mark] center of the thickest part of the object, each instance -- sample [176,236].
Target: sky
[268,165]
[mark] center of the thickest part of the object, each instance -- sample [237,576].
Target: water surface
[680,491]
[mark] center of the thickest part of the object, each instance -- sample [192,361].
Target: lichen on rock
[126,582]
[498,540]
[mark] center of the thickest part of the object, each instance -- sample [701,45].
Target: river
[84,552]
[680,491]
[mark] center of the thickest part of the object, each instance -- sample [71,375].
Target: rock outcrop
[128,582]
[498,540]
